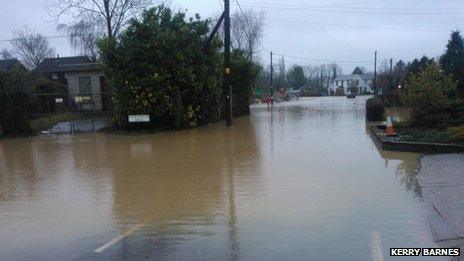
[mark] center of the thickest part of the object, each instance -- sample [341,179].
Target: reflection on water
[408,174]
[406,170]
[301,181]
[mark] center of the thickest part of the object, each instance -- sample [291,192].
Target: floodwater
[303,181]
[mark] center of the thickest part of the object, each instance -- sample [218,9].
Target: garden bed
[416,140]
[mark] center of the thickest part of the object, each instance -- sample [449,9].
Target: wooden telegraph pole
[375,75]
[272,82]
[227,72]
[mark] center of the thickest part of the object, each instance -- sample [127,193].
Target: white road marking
[119,238]
[377,253]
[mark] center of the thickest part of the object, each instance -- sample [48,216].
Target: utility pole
[272,82]
[227,75]
[375,75]
[391,65]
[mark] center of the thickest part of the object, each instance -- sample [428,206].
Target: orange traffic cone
[389,131]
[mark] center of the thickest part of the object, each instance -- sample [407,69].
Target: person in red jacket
[267,100]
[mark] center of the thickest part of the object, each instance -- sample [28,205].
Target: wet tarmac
[81,125]
[303,181]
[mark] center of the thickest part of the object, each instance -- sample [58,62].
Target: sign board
[80,99]
[58,100]
[139,118]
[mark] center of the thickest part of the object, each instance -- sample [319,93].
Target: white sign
[80,99]
[139,118]
[59,100]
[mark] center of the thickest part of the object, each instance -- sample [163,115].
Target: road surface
[303,181]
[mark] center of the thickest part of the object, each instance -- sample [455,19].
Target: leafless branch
[112,15]
[31,47]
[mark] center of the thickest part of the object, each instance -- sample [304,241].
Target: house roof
[59,64]
[85,67]
[6,65]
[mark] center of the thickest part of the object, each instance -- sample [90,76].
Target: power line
[325,60]
[356,10]
[360,26]
[299,57]
[350,7]
[330,5]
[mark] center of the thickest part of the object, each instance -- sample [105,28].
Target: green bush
[431,97]
[457,133]
[15,102]
[244,73]
[159,67]
[46,103]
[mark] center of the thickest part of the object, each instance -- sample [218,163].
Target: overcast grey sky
[344,31]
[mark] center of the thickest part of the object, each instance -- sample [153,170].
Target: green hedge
[15,102]
[158,66]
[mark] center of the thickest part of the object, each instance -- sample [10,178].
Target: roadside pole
[272,82]
[375,75]
[227,72]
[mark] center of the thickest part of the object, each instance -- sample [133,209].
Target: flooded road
[301,182]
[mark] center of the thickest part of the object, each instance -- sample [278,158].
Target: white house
[362,83]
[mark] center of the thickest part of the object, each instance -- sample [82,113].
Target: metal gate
[60,113]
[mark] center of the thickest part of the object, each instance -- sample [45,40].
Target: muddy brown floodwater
[303,181]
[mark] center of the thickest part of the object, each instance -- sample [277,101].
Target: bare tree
[113,14]
[247,29]
[384,67]
[322,75]
[5,54]
[335,70]
[280,80]
[84,35]
[31,47]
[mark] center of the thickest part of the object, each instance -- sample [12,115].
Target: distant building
[82,78]
[9,64]
[361,82]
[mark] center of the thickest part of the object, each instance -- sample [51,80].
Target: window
[85,85]
[357,82]
[54,76]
